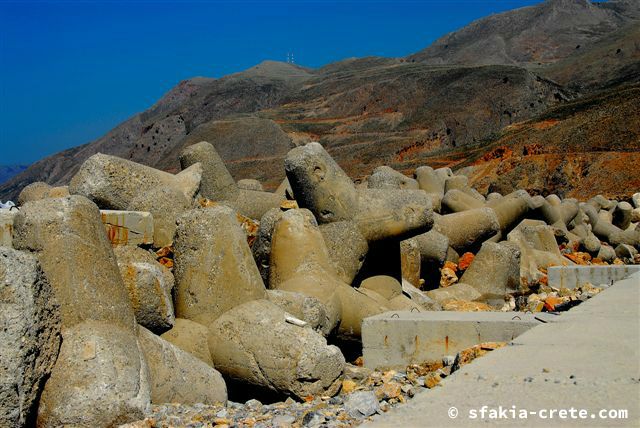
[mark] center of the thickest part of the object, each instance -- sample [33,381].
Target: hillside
[540,34]
[436,107]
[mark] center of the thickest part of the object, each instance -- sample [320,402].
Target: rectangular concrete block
[128,227]
[6,226]
[575,276]
[397,339]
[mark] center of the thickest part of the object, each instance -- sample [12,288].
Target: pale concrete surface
[128,227]
[6,226]
[588,359]
[574,276]
[397,339]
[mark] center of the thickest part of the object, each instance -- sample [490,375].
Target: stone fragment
[384,177]
[68,237]
[250,184]
[362,404]
[100,379]
[177,376]
[150,285]
[448,276]
[128,227]
[495,270]
[113,183]
[191,337]
[214,268]
[29,333]
[297,360]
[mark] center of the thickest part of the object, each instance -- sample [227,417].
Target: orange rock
[359,361]
[579,258]
[447,276]
[348,386]
[388,390]
[450,265]
[288,205]
[551,302]
[465,261]
[431,381]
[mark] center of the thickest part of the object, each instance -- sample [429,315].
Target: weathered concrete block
[397,214]
[100,379]
[29,334]
[128,227]
[69,239]
[33,192]
[6,227]
[400,339]
[297,361]
[149,285]
[468,228]
[571,277]
[495,270]
[214,268]
[319,184]
[112,182]
[177,376]
[217,183]
[456,200]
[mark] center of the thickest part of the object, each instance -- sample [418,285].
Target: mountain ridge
[365,111]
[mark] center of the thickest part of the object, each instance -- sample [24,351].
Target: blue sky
[72,70]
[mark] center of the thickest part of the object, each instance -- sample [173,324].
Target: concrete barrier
[574,276]
[128,227]
[397,339]
[6,227]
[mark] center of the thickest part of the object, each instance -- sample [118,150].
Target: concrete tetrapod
[384,177]
[112,182]
[218,285]
[214,268]
[300,262]
[297,360]
[218,184]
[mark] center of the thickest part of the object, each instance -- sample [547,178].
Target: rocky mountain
[440,106]
[540,34]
